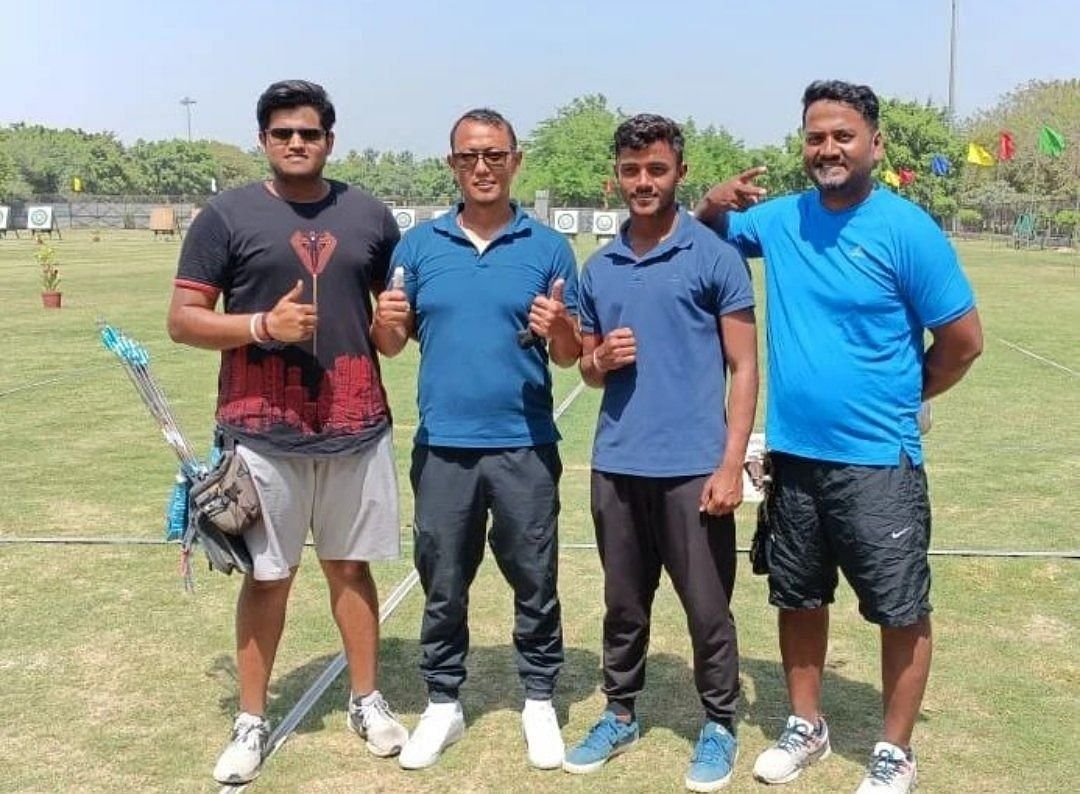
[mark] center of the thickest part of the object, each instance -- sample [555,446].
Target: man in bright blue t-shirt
[854,277]
[666,313]
[490,294]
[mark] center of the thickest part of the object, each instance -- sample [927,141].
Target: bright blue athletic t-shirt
[663,415]
[477,387]
[848,297]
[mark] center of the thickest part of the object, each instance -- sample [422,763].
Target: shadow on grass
[492,684]
[669,701]
[853,708]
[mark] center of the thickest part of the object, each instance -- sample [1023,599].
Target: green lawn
[113,678]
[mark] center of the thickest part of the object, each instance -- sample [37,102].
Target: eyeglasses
[495,159]
[285,134]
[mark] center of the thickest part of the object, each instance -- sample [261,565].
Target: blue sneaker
[713,760]
[607,738]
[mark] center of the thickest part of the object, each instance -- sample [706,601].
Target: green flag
[1051,141]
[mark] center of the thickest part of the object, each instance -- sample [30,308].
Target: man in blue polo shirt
[854,276]
[666,308]
[490,294]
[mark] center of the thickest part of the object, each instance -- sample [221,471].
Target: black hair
[645,129]
[289,94]
[492,118]
[859,97]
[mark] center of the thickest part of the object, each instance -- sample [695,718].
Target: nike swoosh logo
[901,533]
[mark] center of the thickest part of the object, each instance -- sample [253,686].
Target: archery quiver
[225,497]
[222,503]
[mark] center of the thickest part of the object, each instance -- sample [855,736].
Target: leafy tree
[913,134]
[712,155]
[234,167]
[569,154]
[1023,112]
[174,167]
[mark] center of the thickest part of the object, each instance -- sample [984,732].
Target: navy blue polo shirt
[663,415]
[477,387]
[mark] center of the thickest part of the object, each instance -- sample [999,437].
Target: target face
[3,217]
[605,223]
[39,218]
[405,219]
[566,221]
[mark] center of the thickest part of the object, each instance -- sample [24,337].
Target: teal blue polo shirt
[663,415]
[477,387]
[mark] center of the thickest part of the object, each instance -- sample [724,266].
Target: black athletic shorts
[871,522]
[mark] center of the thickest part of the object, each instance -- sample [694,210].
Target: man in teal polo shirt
[666,313]
[490,294]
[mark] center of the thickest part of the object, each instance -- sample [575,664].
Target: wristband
[264,327]
[596,362]
[253,328]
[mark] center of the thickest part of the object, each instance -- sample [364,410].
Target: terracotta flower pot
[50,300]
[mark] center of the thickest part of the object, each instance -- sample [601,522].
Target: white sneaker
[800,744]
[440,726]
[242,758]
[372,719]
[891,771]
[542,738]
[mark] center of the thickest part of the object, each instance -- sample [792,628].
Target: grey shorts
[871,522]
[349,502]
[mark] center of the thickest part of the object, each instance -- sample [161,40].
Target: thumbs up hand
[290,320]
[548,316]
[392,306]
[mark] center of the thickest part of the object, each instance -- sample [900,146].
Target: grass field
[111,678]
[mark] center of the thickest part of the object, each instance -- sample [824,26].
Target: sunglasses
[285,134]
[495,159]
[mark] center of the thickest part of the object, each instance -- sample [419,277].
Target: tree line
[569,155]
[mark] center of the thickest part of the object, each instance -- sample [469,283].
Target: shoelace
[709,749]
[378,706]
[250,734]
[793,739]
[604,734]
[885,767]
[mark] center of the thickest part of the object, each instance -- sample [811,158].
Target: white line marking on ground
[335,668]
[1037,357]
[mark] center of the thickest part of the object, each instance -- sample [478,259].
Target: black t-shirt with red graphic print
[320,397]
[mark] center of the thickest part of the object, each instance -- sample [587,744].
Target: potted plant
[50,275]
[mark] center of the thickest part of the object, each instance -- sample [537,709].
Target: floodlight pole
[187,102]
[952,66]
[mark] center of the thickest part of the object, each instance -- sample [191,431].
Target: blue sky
[400,72]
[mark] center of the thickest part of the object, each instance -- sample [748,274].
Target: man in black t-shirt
[295,261]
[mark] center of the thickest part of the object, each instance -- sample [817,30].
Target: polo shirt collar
[448,222]
[682,237]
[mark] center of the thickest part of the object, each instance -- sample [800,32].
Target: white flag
[213,185]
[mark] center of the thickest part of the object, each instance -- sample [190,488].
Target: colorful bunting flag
[890,178]
[76,184]
[907,176]
[1006,146]
[977,155]
[1051,141]
[940,165]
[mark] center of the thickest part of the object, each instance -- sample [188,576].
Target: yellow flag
[76,184]
[891,178]
[977,155]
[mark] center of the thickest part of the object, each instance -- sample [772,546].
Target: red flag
[1006,146]
[907,176]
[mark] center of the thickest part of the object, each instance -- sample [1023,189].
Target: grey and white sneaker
[890,771]
[800,744]
[371,718]
[242,758]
